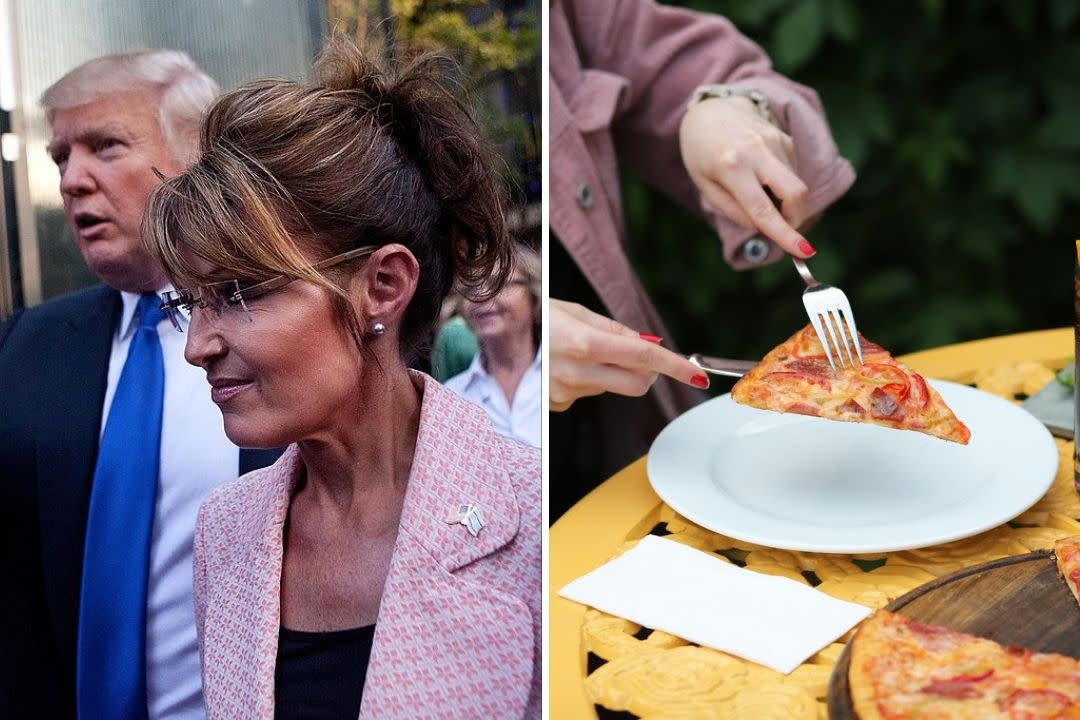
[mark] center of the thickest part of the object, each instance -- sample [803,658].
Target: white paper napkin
[665,585]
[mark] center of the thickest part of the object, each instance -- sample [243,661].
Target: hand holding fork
[745,168]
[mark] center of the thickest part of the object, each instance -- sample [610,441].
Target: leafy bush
[963,122]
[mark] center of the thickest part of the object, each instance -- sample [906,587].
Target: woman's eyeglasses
[230,297]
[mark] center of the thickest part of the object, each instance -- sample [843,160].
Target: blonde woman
[389,564]
[504,377]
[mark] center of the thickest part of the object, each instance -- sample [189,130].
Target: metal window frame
[20,269]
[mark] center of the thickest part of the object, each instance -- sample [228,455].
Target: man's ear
[385,284]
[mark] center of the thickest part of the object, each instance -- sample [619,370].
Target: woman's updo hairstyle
[290,174]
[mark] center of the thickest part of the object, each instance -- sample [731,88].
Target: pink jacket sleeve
[198,567]
[663,53]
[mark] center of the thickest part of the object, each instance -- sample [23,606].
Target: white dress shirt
[520,419]
[196,457]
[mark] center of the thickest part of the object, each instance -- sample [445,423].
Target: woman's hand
[736,158]
[592,354]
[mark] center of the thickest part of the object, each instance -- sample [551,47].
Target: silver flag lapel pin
[469,516]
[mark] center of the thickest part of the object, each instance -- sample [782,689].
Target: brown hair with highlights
[294,173]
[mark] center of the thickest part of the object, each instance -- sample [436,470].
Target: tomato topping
[896,380]
[920,389]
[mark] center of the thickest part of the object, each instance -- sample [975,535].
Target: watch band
[703,92]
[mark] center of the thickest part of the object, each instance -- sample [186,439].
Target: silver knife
[722,366]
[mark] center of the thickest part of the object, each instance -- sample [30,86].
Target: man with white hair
[109,441]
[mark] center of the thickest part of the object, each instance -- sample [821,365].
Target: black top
[320,675]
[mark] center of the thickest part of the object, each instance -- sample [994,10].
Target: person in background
[389,564]
[504,377]
[693,107]
[108,440]
[455,345]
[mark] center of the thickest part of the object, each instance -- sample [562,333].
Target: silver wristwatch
[703,92]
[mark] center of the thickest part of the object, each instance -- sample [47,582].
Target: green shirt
[454,349]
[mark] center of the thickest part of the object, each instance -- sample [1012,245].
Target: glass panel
[232,40]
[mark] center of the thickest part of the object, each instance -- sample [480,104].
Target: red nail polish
[806,248]
[701,381]
[654,339]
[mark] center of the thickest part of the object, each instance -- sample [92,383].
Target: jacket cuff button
[755,250]
[584,196]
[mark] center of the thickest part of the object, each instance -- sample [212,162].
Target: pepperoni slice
[852,406]
[803,409]
[816,366]
[953,689]
[972,677]
[870,347]
[933,637]
[1036,703]
[958,687]
[784,376]
[923,629]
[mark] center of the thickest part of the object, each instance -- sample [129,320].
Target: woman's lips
[224,391]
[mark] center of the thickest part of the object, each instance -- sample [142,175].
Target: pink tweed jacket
[458,632]
[621,74]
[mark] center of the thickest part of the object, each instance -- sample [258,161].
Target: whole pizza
[796,377]
[904,669]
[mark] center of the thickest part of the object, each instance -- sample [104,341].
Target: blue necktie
[111,668]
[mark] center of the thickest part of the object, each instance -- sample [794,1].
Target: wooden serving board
[1019,600]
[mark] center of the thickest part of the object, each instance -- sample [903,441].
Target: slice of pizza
[796,377]
[905,669]
[1067,552]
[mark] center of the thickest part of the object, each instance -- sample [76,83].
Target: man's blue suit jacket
[53,373]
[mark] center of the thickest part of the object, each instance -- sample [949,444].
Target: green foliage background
[496,44]
[962,119]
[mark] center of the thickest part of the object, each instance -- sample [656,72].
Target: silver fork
[830,312]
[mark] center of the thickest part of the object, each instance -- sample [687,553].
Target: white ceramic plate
[803,483]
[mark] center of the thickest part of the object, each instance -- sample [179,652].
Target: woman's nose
[204,343]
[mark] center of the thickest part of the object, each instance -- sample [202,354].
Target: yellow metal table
[661,676]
